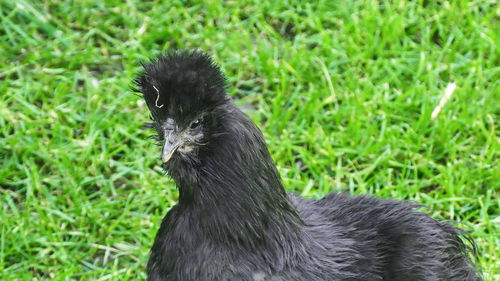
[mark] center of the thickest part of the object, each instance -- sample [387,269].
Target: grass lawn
[343,91]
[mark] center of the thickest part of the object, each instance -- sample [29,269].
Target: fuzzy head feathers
[180,85]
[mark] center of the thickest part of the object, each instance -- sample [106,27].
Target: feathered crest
[181,84]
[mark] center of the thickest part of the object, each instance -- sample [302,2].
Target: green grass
[343,91]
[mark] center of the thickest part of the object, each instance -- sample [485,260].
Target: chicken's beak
[172,142]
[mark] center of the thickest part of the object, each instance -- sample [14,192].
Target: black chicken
[234,220]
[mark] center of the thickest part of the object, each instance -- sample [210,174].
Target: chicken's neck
[236,194]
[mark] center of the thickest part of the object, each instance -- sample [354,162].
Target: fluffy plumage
[235,221]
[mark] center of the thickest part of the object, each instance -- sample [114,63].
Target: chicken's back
[390,239]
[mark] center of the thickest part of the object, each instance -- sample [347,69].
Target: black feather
[234,220]
[188,83]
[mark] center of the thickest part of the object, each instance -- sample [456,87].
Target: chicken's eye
[195,123]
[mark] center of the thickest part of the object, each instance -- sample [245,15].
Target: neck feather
[236,192]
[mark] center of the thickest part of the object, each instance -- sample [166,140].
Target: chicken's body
[234,221]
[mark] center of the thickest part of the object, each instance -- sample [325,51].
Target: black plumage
[235,221]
